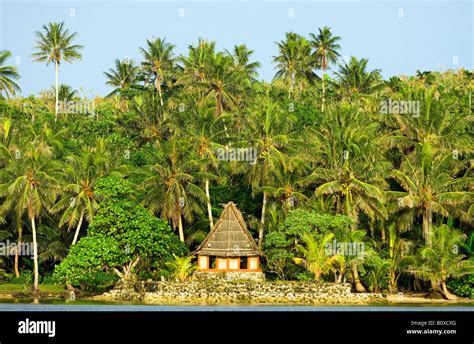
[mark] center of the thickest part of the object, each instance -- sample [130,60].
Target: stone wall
[230,276]
[212,292]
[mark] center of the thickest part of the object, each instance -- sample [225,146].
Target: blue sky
[397,37]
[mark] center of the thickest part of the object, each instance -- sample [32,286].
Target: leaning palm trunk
[35,255]
[209,208]
[57,92]
[446,294]
[78,228]
[262,219]
[180,228]
[427,222]
[355,277]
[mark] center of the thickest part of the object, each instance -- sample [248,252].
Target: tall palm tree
[439,261]
[246,70]
[353,77]
[204,137]
[293,60]
[211,73]
[269,131]
[170,185]
[122,78]
[8,74]
[79,201]
[55,45]
[31,189]
[326,51]
[431,186]
[159,60]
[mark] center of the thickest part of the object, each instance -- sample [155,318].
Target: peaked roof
[229,237]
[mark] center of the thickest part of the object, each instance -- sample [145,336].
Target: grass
[21,288]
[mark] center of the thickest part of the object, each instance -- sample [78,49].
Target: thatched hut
[229,246]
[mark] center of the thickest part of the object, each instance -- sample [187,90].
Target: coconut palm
[54,45]
[79,201]
[269,129]
[212,74]
[442,260]
[293,62]
[246,70]
[431,186]
[8,75]
[66,93]
[159,61]
[326,51]
[31,189]
[353,77]
[123,78]
[170,184]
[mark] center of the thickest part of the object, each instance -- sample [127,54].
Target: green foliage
[25,278]
[120,231]
[90,256]
[376,277]
[463,286]
[181,267]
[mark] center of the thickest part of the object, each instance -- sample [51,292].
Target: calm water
[60,305]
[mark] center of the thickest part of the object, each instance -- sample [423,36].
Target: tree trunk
[180,228]
[262,219]
[209,208]
[427,220]
[322,104]
[35,255]
[57,92]
[78,228]
[446,294]
[18,246]
[357,285]
[158,87]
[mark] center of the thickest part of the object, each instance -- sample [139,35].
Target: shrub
[463,286]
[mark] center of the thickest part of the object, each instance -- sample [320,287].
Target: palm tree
[293,60]
[431,186]
[182,267]
[66,93]
[170,187]
[349,165]
[314,251]
[122,78]
[31,189]
[204,137]
[7,76]
[246,70]
[211,73]
[326,51]
[441,261]
[269,129]
[353,77]
[159,61]
[79,201]
[55,45]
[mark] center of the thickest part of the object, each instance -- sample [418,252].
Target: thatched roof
[229,237]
